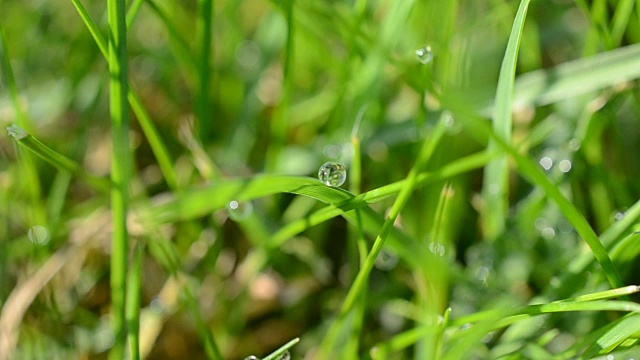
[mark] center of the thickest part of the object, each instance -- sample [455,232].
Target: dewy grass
[281,272]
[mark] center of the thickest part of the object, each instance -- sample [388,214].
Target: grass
[491,209]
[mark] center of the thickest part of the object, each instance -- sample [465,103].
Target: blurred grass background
[285,87]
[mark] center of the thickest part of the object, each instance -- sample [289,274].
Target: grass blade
[495,189]
[203,43]
[120,171]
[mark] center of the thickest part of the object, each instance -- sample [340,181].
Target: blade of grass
[495,188]
[477,127]
[203,46]
[134,292]
[624,329]
[150,131]
[621,17]
[56,159]
[27,166]
[120,171]
[357,288]
[281,116]
[276,355]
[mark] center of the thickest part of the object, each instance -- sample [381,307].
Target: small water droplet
[252,357]
[453,127]
[17,132]
[564,166]
[332,174]
[238,210]
[482,274]
[39,235]
[574,144]
[157,306]
[424,55]
[548,233]
[437,249]
[285,356]
[386,261]
[546,162]
[465,326]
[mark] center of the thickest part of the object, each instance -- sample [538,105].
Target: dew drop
[437,249]
[285,356]
[424,55]
[386,261]
[546,162]
[332,173]
[238,210]
[564,166]
[548,233]
[17,132]
[39,235]
[157,306]
[252,357]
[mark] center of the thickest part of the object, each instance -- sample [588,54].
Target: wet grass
[491,207]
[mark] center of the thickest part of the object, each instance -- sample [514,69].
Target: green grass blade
[495,189]
[621,17]
[357,288]
[203,44]
[120,171]
[625,328]
[479,128]
[134,293]
[56,159]
[276,355]
[159,149]
[570,79]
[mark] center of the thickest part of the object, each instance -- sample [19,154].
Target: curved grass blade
[495,188]
[56,159]
[625,328]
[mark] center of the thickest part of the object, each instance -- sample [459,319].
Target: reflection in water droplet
[564,166]
[546,162]
[239,211]
[437,248]
[424,55]
[332,173]
[39,235]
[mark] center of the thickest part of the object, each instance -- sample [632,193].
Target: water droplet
[157,306]
[482,274]
[465,326]
[239,211]
[386,261]
[453,127]
[252,357]
[39,235]
[17,132]
[564,166]
[548,233]
[424,55]
[541,223]
[285,356]
[332,173]
[546,162]
[574,144]
[437,248]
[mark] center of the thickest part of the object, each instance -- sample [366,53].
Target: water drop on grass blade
[252,357]
[39,235]
[332,174]
[239,211]
[17,132]
[424,55]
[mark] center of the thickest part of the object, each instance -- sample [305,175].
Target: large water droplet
[424,55]
[239,211]
[386,261]
[39,235]
[332,174]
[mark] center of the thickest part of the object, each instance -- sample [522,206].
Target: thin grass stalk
[203,43]
[150,131]
[134,293]
[495,190]
[279,123]
[27,164]
[120,171]
[358,287]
